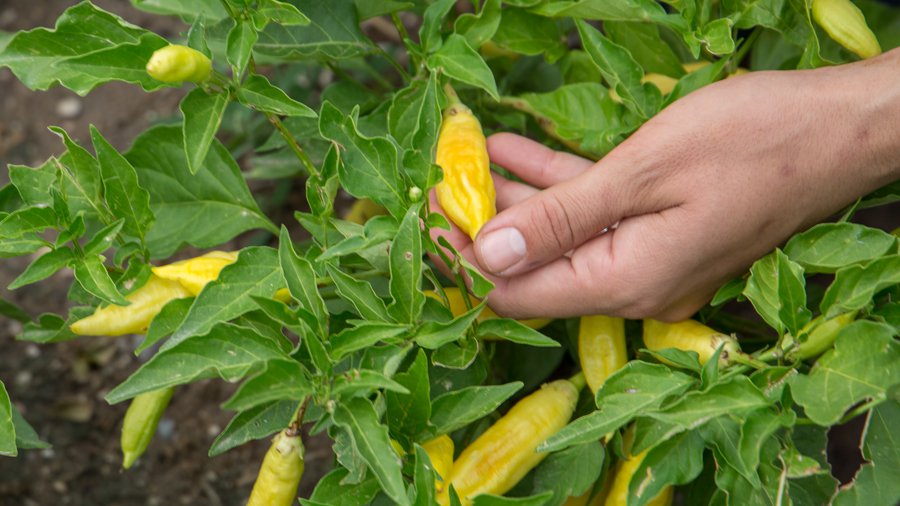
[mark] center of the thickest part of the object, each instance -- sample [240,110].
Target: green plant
[355,349]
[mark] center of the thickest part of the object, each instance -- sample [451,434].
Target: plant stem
[301,155]
[744,359]
[394,63]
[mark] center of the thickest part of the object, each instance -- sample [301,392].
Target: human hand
[689,201]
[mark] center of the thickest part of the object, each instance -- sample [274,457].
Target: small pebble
[69,107]
[166,428]
[213,430]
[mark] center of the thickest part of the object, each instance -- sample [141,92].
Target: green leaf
[876,482]
[166,322]
[333,34]
[523,32]
[406,269]
[358,418]
[280,380]
[33,183]
[210,9]
[637,388]
[13,312]
[88,47]
[414,118]
[571,472]
[674,462]
[716,36]
[646,46]
[359,293]
[301,282]
[26,437]
[204,209]
[496,500]
[332,491]
[7,429]
[432,335]
[202,116]
[864,364]
[855,286]
[479,28]
[458,60]
[621,72]
[356,382]
[94,278]
[630,10]
[86,179]
[255,273]
[424,478]
[50,328]
[362,336]
[227,351]
[124,195]
[43,267]
[369,167]
[432,20]
[515,331]
[239,45]
[829,246]
[283,13]
[26,221]
[409,413]
[736,397]
[257,92]
[777,289]
[255,423]
[459,408]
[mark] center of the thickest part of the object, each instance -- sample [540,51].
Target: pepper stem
[451,95]
[578,380]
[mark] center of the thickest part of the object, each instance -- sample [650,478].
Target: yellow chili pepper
[601,348]
[846,24]
[458,307]
[175,63]
[504,453]
[667,83]
[280,473]
[195,273]
[467,192]
[134,318]
[689,335]
[140,423]
[363,210]
[440,451]
[625,469]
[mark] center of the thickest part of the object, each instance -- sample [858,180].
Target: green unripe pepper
[175,64]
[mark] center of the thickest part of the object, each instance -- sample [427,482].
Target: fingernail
[501,249]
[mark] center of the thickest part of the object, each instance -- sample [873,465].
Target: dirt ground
[60,387]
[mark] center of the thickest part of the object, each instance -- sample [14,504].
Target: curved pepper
[175,64]
[467,192]
[134,318]
[689,335]
[601,348]
[845,23]
[140,423]
[505,452]
[280,473]
[440,451]
[625,469]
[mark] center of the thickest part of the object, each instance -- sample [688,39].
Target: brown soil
[60,387]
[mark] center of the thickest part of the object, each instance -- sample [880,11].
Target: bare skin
[712,183]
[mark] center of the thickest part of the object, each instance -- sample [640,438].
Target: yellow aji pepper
[175,63]
[625,469]
[689,335]
[134,318]
[140,423]
[601,348]
[280,473]
[458,307]
[846,24]
[504,453]
[363,210]
[667,83]
[467,192]
[195,273]
[440,451]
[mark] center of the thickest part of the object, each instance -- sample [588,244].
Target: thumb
[557,220]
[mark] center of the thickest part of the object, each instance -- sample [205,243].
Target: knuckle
[552,223]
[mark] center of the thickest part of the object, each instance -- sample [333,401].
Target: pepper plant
[329,326]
